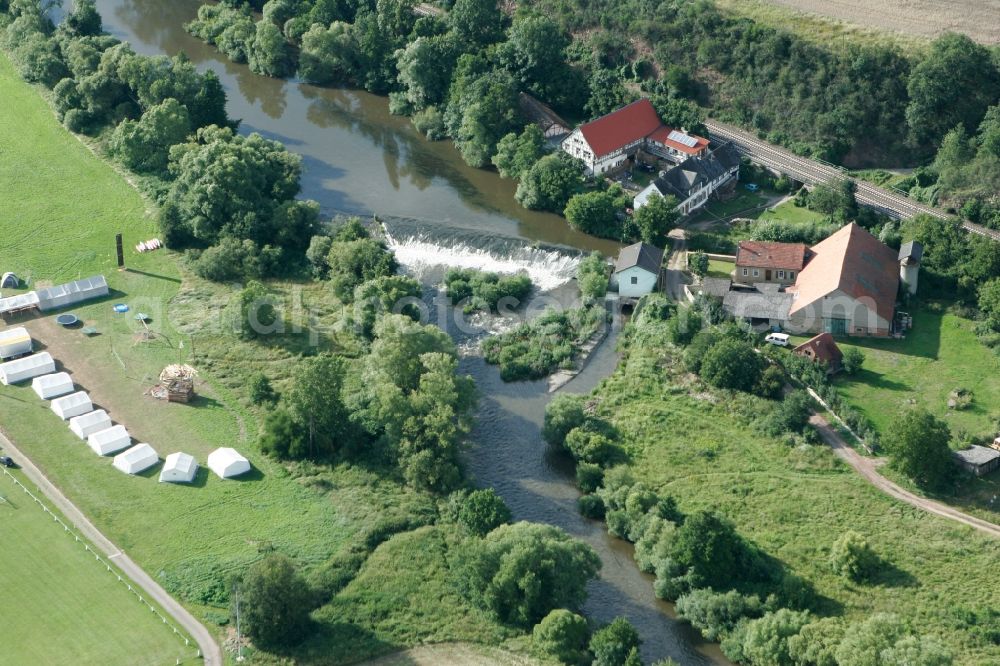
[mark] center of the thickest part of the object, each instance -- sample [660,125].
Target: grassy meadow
[699,446]
[90,611]
[64,206]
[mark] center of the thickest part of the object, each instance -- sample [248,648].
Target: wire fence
[107,565]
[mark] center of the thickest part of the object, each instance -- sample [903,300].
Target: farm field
[191,539]
[908,18]
[90,611]
[794,501]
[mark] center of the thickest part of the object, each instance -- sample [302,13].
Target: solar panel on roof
[681,137]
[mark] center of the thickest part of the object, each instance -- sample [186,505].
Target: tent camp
[72,405]
[52,386]
[179,468]
[137,459]
[26,368]
[85,425]
[226,463]
[110,440]
[9,281]
[72,292]
[14,342]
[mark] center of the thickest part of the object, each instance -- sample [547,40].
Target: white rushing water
[420,254]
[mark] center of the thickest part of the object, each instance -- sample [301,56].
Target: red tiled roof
[619,128]
[856,263]
[662,135]
[822,348]
[761,254]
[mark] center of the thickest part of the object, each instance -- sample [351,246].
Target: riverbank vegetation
[731,477]
[539,347]
[356,504]
[481,291]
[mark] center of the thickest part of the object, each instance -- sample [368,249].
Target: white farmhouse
[637,270]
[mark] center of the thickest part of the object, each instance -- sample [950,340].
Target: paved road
[868,469]
[813,172]
[210,650]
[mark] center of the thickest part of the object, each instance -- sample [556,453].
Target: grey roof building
[761,304]
[978,459]
[645,256]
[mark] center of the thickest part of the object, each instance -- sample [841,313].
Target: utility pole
[239,638]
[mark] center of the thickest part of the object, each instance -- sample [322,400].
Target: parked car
[753,187]
[777,339]
[7,461]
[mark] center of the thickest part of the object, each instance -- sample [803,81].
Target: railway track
[814,172]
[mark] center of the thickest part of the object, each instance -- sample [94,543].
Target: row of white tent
[103,437]
[58,296]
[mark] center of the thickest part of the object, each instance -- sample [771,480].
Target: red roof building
[608,141]
[822,349]
[762,261]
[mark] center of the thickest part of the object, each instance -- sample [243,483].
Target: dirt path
[675,269]
[868,469]
[210,650]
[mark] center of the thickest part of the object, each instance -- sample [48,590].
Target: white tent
[85,425]
[179,468]
[72,292]
[52,386]
[18,303]
[14,342]
[26,368]
[72,405]
[137,459]
[9,281]
[226,463]
[108,441]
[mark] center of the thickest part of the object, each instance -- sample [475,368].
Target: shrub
[479,290]
[853,360]
[563,635]
[852,556]
[682,328]
[261,391]
[565,412]
[732,364]
[767,639]
[589,446]
[431,123]
[482,511]
[698,263]
[589,476]
[591,506]
[716,614]
[592,277]
[613,644]
[275,603]
[771,383]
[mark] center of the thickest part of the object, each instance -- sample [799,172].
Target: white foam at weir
[547,269]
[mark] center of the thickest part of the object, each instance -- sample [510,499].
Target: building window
[756,273]
[635,280]
[791,275]
[781,275]
[746,271]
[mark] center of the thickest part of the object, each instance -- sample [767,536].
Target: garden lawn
[718,268]
[63,208]
[698,446]
[89,614]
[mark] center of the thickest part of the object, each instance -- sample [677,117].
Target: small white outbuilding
[137,459]
[85,425]
[14,342]
[52,386]
[26,368]
[179,468]
[72,405]
[110,440]
[227,462]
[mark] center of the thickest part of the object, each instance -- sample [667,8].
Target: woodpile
[176,383]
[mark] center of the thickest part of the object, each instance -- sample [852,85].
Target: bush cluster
[478,290]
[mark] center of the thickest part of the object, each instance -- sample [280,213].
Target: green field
[64,206]
[89,612]
[700,446]
[718,268]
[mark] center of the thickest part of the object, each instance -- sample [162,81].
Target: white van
[778,339]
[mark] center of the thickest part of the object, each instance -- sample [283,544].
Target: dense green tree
[144,145]
[698,263]
[521,572]
[398,294]
[329,54]
[766,640]
[732,364]
[257,315]
[710,548]
[614,644]
[853,557]
[488,111]
[853,360]
[607,93]
[260,390]
[715,614]
[655,220]
[917,441]
[591,446]
[563,635]
[989,303]
[916,651]
[535,54]
[564,413]
[550,182]
[864,641]
[482,511]
[84,19]
[283,436]
[682,328]
[270,53]
[274,603]
[680,113]
[516,153]
[816,643]
[316,402]
[354,262]
[953,85]
[592,277]
[425,67]
[594,212]
[476,23]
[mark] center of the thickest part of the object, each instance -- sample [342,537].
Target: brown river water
[360,159]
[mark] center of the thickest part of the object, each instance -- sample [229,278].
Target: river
[358,158]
